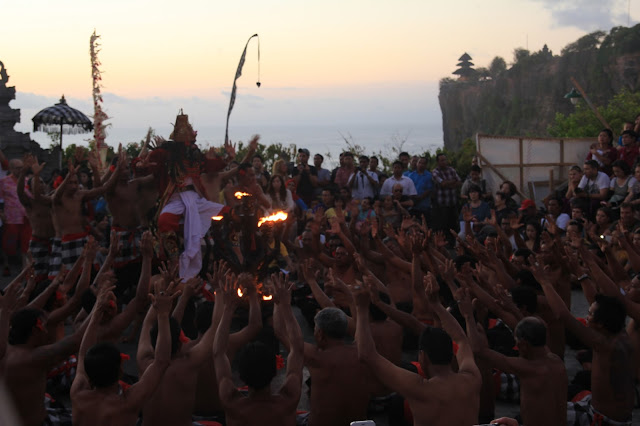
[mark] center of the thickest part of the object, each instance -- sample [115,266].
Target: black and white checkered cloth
[40,249]
[57,414]
[55,257]
[71,251]
[582,413]
[129,246]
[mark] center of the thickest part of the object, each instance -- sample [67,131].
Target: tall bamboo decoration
[99,116]
[232,101]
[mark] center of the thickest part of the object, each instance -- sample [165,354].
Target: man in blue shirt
[423,182]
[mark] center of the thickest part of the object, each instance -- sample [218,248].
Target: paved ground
[579,308]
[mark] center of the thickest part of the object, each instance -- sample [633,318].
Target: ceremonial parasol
[61,117]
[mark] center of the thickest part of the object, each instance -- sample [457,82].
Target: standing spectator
[603,152]
[413,165]
[345,170]
[373,166]
[363,182]
[407,184]
[262,176]
[444,212]
[404,159]
[17,231]
[324,175]
[305,176]
[423,181]
[475,178]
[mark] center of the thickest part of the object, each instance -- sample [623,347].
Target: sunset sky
[375,61]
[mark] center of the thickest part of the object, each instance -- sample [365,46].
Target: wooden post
[588,101]
[551,185]
[500,175]
[521,165]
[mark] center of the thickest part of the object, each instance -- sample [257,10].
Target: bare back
[93,407]
[543,394]
[173,401]
[26,382]
[451,400]
[612,378]
[339,387]
[122,203]
[264,410]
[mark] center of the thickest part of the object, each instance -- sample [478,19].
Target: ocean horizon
[328,140]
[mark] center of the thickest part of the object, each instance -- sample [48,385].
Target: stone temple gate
[15,144]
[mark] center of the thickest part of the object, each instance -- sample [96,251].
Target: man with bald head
[14,217]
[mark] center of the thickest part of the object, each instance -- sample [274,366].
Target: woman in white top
[278,195]
[620,184]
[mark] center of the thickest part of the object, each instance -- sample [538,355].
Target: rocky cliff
[524,99]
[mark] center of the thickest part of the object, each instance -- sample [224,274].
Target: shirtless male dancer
[123,200]
[207,399]
[257,365]
[28,360]
[542,374]
[444,397]
[38,210]
[174,400]
[340,384]
[612,385]
[96,396]
[67,203]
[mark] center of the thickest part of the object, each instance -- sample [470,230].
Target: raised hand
[360,294]
[79,154]
[431,288]
[229,290]
[515,224]
[169,273]
[246,283]
[253,143]
[146,244]
[464,302]
[93,159]
[192,286]
[416,242]
[162,301]
[114,244]
[448,270]
[281,288]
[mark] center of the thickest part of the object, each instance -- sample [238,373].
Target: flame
[276,217]
[217,217]
[240,293]
[267,297]
[239,195]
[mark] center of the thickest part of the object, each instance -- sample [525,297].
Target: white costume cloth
[197,213]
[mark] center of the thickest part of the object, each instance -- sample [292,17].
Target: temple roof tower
[465,70]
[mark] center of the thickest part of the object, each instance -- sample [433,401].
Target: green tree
[582,122]
[497,67]
[520,54]
[584,43]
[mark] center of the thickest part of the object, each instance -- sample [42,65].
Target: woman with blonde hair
[279,168]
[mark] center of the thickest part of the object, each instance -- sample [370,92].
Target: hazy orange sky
[316,56]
